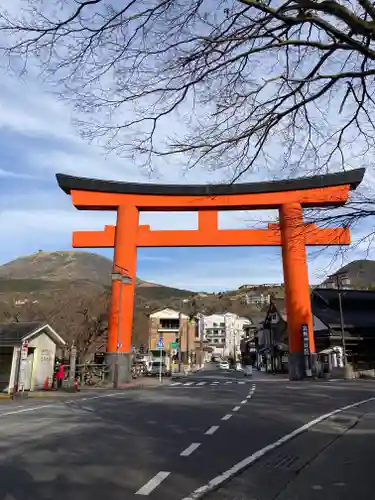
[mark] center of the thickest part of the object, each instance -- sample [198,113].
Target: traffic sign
[173,345]
[160,344]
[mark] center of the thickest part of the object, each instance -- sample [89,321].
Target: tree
[254,83]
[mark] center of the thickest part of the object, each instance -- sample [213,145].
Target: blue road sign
[160,344]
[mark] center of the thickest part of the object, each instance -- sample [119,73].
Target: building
[27,355]
[169,324]
[358,329]
[358,316]
[257,298]
[223,333]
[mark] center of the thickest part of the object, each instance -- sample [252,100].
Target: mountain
[54,270]
[70,290]
[361,274]
[59,266]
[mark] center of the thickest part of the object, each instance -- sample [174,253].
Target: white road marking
[189,450]
[227,417]
[211,430]
[201,383]
[228,382]
[236,408]
[244,401]
[225,476]
[58,404]
[153,483]
[24,410]
[176,383]
[189,383]
[241,382]
[215,382]
[249,396]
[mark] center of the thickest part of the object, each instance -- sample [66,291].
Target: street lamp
[124,279]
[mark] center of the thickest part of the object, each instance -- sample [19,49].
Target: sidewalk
[333,460]
[140,383]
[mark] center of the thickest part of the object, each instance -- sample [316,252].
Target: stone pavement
[333,460]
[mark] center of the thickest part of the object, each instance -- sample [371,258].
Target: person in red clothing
[60,375]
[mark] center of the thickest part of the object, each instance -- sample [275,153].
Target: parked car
[154,370]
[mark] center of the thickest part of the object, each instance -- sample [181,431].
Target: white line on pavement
[228,382]
[240,466]
[211,430]
[227,417]
[189,383]
[244,401]
[201,383]
[215,382]
[153,483]
[189,450]
[236,408]
[241,382]
[176,383]
[249,396]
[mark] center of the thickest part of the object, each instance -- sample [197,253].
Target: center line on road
[189,450]
[189,383]
[244,401]
[236,408]
[201,383]
[227,417]
[211,430]
[153,483]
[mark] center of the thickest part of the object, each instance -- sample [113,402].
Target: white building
[223,333]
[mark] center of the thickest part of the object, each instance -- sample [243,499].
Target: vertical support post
[122,297]
[297,291]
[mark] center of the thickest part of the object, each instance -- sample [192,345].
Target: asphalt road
[162,442]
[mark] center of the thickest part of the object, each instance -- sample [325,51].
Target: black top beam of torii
[351,177]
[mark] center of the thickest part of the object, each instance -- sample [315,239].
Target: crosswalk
[211,383]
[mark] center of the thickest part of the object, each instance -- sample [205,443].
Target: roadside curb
[82,392]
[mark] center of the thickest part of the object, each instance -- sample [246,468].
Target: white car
[224,365]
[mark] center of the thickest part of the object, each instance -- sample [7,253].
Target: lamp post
[339,278]
[124,279]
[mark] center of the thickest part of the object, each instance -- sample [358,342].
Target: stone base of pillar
[119,367]
[296,365]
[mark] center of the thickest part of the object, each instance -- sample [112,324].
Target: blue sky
[37,140]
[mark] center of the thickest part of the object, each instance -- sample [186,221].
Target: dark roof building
[13,334]
[358,308]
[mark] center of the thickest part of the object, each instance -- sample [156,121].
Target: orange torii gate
[288,196]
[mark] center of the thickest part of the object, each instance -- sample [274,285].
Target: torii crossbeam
[289,197]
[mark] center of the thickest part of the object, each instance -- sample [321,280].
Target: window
[169,324]
[215,332]
[222,324]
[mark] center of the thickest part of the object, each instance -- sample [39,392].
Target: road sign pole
[161,360]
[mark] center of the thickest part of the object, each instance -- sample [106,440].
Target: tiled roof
[358,307]
[12,333]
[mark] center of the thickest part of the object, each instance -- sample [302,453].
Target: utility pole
[179,340]
[338,284]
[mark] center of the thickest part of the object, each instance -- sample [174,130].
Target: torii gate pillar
[297,291]
[290,197]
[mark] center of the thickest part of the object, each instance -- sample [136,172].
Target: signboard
[305,339]
[173,345]
[24,350]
